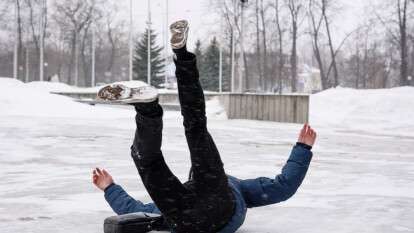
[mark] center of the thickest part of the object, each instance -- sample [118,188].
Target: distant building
[54,78]
[309,80]
[171,79]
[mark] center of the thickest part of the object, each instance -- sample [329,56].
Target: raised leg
[165,189]
[207,166]
[208,175]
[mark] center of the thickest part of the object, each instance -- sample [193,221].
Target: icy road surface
[358,181]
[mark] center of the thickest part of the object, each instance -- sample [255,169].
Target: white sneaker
[179,31]
[128,93]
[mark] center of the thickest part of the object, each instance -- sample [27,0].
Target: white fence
[267,107]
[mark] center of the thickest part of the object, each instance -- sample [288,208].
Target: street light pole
[26,79]
[42,40]
[242,64]
[221,59]
[16,46]
[166,44]
[233,53]
[93,54]
[149,44]
[130,41]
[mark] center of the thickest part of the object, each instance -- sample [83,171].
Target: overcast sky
[203,20]
[195,11]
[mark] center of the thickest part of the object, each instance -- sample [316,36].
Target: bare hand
[101,178]
[307,135]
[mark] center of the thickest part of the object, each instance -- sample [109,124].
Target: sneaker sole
[179,31]
[114,93]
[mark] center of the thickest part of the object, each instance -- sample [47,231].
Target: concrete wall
[172,98]
[165,98]
[268,107]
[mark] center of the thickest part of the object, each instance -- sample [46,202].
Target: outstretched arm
[264,191]
[119,200]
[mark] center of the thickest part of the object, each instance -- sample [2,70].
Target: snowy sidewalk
[357,183]
[361,178]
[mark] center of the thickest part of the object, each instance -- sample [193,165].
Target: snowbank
[34,99]
[215,110]
[50,86]
[383,110]
[390,110]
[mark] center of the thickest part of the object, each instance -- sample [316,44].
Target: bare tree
[295,9]
[75,16]
[231,12]
[281,59]
[265,52]
[229,30]
[403,42]
[258,47]
[114,32]
[315,32]
[400,35]
[371,60]
[85,54]
[4,7]
[325,4]
[19,35]
[36,29]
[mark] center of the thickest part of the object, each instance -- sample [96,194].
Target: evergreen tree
[198,51]
[210,67]
[141,60]
[226,72]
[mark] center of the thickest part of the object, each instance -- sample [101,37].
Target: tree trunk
[365,66]
[402,16]
[19,38]
[293,57]
[72,57]
[358,69]
[294,12]
[232,58]
[404,60]
[35,40]
[77,59]
[85,64]
[258,49]
[330,43]
[319,60]
[246,70]
[265,65]
[113,51]
[281,57]
[316,26]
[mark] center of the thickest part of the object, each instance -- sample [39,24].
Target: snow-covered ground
[361,178]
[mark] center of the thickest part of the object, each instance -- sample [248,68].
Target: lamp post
[243,65]
[45,65]
[166,44]
[221,58]
[149,44]
[93,76]
[233,55]
[16,46]
[130,41]
[42,39]
[26,79]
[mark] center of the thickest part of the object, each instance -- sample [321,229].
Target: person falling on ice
[211,201]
